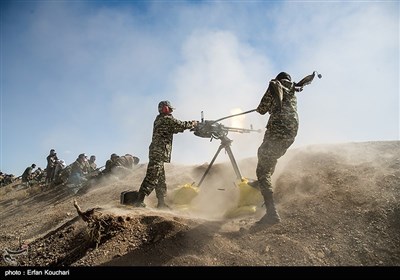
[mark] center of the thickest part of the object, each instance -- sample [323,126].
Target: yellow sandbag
[185,194]
[249,198]
[248,195]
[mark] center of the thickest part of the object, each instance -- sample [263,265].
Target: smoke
[221,76]
[237,121]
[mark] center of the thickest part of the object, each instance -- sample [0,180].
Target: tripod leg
[233,161]
[209,166]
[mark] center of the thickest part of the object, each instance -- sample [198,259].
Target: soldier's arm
[265,103]
[178,125]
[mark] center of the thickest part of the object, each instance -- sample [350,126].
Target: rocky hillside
[339,204]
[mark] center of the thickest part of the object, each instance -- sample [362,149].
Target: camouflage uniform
[79,170]
[165,126]
[281,131]
[127,161]
[92,164]
[109,165]
[27,175]
[63,176]
[51,164]
[120,166]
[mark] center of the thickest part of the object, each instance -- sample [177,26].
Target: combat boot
[254,184]
[161,203]
[140,200]
[272,216]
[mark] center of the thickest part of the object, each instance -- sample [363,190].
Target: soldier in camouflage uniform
[110,164]
[280,102]
[51,164]
[92,163]
[127,161]
[121,165]
[28,174]
[79,170]
[165,126]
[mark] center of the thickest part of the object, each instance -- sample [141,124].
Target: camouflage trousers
[154,179]
[268,154]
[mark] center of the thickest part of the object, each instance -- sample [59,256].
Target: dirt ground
[339,206]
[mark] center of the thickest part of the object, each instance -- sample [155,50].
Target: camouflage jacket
[283,121]
[80,167]
[92,166]
[127,161]
[165,126]
[27,175]
[109,165]
[51,161]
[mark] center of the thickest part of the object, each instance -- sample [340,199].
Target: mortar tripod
[225,144]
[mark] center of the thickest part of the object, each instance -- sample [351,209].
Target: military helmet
[113,156]
[283,75]
[163,105]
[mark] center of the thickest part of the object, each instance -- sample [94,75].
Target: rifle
[230,116]
[98,168]
[95,172]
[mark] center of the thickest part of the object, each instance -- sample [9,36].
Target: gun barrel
[242,130]
[230,116]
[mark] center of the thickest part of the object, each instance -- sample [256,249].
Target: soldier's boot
[254,184]
[161,203]
[140,200]
[272,216]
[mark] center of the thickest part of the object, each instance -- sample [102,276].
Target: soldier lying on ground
[120,165]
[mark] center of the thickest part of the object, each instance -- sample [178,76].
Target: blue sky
[87,76]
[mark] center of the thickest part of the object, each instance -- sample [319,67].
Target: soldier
[38,174]
[123,165]
[92,163]
[63,176]
[128,161]
[60,165]
[51,165]
[8,179]
[164,127]
[79,170]
[27,175]
[110,164]
[280,102]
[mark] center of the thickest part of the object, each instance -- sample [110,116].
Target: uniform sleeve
[177,126]
[265,103]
